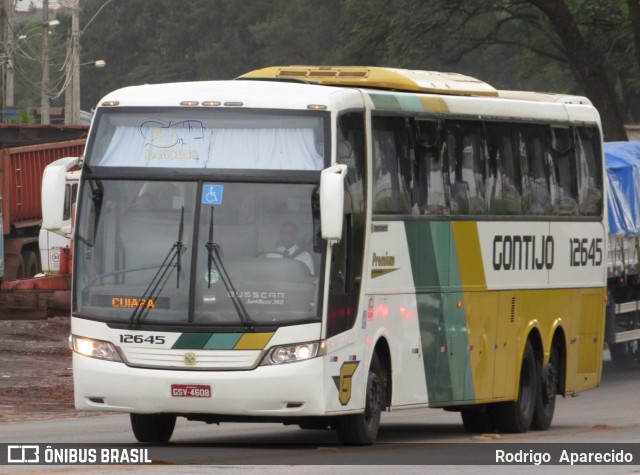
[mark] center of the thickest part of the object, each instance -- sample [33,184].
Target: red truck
[25,151]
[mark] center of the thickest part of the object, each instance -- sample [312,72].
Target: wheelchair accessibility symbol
[212,194]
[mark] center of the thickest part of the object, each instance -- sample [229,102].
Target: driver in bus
[290,246]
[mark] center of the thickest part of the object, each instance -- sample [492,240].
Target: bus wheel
[362,429]
[152,427]
[516,416]
[477,420]
[547,389]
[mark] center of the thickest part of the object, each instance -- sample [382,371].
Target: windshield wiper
[156,286]
[213,251]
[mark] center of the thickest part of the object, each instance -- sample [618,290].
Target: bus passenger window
[589,171]
[351,152]
[467,168]
[391,166]
[506,183]
[534,150]
[427,192]
[564,190]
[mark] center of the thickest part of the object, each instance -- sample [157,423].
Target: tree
[588,64]
[560,46]
[585,47]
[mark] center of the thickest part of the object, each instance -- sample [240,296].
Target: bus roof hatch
[379,78]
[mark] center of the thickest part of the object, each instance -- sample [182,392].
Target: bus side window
[505,173]
[534,150]
[467,167]
[428,194]
[391,166]
[589,171]
[351,152]
[565,192]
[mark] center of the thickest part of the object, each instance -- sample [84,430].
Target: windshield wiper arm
[156,286]
[213,251]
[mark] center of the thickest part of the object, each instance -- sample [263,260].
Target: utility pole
[10,39]
[5,56]
[72,73]
[44,92]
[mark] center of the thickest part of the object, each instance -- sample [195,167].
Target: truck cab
[51,243]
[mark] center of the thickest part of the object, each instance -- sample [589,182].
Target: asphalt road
[609,414]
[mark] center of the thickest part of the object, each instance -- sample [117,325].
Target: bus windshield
[209,138]
[197,253]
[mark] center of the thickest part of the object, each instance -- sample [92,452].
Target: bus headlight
[292,353]
[99,349]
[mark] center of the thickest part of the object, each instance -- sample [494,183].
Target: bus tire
[547,390]
[362,429]
[516,416]
[477,420]
[153,428]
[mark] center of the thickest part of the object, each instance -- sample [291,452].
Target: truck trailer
[25,151]
[622,325]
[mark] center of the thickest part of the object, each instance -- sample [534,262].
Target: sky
[24,5]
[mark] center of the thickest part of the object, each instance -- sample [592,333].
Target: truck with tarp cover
[622,328]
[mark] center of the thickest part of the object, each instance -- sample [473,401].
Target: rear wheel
[547,390]
[362,429]
[516,416]
[156,428]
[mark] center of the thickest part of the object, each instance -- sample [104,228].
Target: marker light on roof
[110,103]
[189,103]
[233,104]
[211,103]
[317,107]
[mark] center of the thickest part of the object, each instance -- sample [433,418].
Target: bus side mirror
[53,190]
[332,202]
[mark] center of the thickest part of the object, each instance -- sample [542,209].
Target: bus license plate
[190,390]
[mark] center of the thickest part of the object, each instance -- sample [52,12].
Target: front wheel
[516,416]
[362,429]
[153,428]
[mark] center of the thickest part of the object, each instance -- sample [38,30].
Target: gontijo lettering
[523,252]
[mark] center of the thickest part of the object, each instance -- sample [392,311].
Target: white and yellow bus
[446,249]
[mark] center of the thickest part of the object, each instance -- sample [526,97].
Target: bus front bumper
[287,390]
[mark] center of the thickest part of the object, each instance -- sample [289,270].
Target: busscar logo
[189,359]
[23,454]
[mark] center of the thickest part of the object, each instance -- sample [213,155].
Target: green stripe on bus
[443,327]
[385,102]
[223,341]
[191,341]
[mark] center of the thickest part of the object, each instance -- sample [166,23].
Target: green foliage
[509,43]
[24,117]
